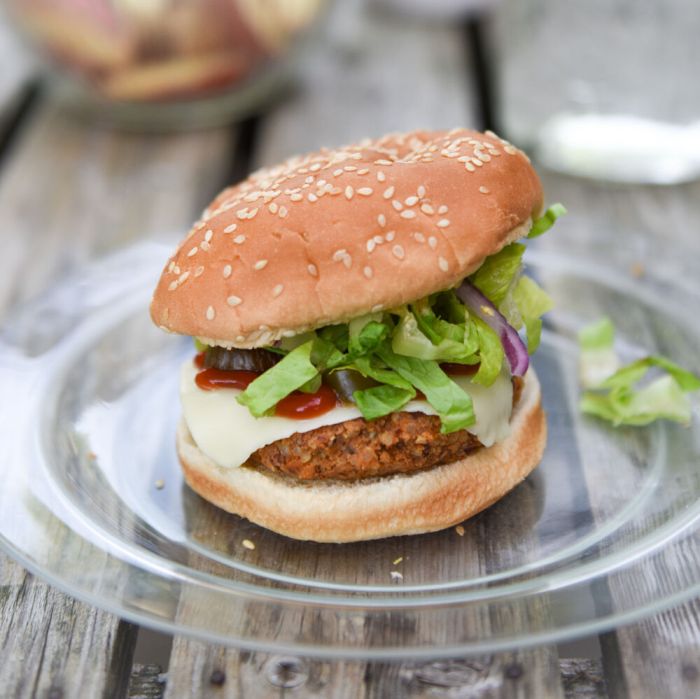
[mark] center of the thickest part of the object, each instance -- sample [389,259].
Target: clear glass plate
[604,532]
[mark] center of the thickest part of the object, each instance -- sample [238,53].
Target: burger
[358,315]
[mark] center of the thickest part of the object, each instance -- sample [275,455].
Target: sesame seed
[349,168]
[421,191]
[390,236]
[239,239]
[172,286]
[389,192]
[443,223]
[171,265]
[296,196]
[241,214]
[484,157]
[470,167]
[192,252]
[176,269]
[248,544]
[315,167]
[378,239]
[365,191]
[260,264]
[199,225]
[509,149]
[272,208]
[427,209]
[381,177]
[443,264]
[338,172]
[432,241]
[381,220]
[159,484]
[347,261]
[210,313]
[348,192]
[398,252]
[383,162]
[199,271]
[442,209]
[277,290]
[419,237]
[233,300]
[338,255]
[371,244]
[411,201]
[477,162]
[408,214]
[283,212]
[312,270]
[397,204]
[367,271]
[484,190]
[312,197]
[364,171]
[231,228]
[209,235]
[227,271]
[309,179]
[460,530]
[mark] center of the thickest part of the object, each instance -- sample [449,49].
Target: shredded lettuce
[289,374]
[451,403]
[532,302]
[495,277]
[547,220]
[623,395]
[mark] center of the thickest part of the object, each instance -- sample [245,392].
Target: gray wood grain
[70,192]
[364,83]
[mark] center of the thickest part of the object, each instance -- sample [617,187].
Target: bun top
[332,235]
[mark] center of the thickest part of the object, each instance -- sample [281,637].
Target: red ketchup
[297,405]
[210,379]
[303,406]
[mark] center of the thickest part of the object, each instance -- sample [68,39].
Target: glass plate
[604,531]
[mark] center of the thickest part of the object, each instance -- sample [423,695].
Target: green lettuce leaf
[381,400]
[546,221]
[490,352]
[495,276]
[451,403]
[617,395]
[367,333]
[532,302]
[289,374]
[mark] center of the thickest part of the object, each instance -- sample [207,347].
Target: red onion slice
[513,346]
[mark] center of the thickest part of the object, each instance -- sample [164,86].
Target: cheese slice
[227,433]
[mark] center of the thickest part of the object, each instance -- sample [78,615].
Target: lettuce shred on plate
[628,395]
[401,349]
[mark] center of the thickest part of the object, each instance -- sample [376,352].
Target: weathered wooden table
[71,191]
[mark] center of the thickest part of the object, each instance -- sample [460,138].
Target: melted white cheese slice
[227,433]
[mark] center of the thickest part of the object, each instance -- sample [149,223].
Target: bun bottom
[398,505]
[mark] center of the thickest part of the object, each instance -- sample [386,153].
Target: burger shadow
[499,539]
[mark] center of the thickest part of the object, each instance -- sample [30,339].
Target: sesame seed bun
[332,235]
[341,511]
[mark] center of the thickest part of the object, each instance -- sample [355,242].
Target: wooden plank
[640,230]
[378,73]
[68,193]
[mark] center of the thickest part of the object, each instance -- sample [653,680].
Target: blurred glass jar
[603,88]
[167,63]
